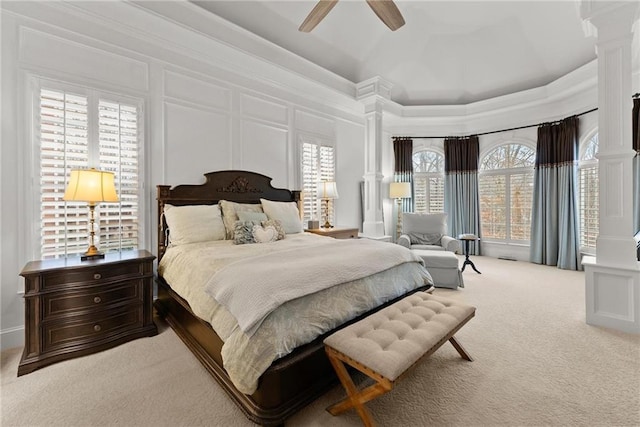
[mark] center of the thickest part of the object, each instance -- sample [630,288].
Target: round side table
[467,239]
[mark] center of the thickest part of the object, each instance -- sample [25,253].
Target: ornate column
[613,275]
[373,93]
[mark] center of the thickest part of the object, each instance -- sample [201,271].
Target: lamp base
[327,225]
[92,253]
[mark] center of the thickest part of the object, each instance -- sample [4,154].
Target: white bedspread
[187,269]
[251,288]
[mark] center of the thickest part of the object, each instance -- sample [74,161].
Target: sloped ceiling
[448,52]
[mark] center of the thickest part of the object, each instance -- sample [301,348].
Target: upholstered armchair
[427,231]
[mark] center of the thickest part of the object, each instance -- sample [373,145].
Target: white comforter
[251,288]
[188,268]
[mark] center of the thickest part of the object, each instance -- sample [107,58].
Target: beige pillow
[191,224]
[230,214]
[285,212]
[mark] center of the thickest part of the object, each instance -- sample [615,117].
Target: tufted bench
[386,344]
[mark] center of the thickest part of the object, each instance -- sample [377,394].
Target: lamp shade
[91,185]
[400,190]
[327,190]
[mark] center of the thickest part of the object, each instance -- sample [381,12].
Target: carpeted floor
[536,363]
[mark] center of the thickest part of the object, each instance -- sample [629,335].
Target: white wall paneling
[267,109]
[264,150]
[197,141]
[196,90]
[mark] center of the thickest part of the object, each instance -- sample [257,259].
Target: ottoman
[443,267]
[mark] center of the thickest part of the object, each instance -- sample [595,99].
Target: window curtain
[403,166]
[461,190]
[636,164]
[555,238]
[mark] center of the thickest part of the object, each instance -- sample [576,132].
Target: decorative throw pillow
[275,224]
[425,238]
[191,224]
[251,232]
[285,212]
[230,213]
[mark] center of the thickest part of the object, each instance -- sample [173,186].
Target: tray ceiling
[448,53]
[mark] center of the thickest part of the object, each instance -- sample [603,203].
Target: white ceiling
[448,53]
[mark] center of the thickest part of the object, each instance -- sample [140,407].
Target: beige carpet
[536,363]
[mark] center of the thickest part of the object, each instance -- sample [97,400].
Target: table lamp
[399,191]
[91,186]
[327,191]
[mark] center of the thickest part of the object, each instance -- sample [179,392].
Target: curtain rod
[505,130]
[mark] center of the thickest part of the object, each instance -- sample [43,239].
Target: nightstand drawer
[88,329]
[86,276]
[97,298]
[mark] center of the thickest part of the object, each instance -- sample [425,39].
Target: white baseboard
[11,337]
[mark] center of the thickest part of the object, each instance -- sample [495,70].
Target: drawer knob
[97,276]
[97,328]
[97,300]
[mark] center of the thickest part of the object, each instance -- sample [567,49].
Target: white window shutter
[63,146]
[118,141]
[317,164]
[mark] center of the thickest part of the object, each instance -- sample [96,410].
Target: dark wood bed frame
[289,383]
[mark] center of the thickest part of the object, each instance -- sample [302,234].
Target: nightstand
[336,233]
[74,308]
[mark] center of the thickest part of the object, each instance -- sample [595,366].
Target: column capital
[609,19]
[373,93]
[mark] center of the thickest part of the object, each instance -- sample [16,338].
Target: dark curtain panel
[555,238]
[461,189]
[636,164]
[403,166]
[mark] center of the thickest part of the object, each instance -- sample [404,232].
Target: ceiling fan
[386,10]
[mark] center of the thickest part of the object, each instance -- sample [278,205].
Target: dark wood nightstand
[336,233]
[74,308]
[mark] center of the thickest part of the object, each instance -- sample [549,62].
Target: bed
[290,381]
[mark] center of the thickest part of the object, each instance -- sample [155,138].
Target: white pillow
[285,212]
[191,224]
[230,214]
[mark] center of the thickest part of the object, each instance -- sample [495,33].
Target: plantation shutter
[436,194]
[63,146]
[118,129]
[420,193]
[521,188]
[589,224]
[428,191]
[493,206]
[318,164]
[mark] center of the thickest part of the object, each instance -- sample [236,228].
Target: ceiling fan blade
[388,12]
[317,14]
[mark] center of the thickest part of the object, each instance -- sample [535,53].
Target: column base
[612,295]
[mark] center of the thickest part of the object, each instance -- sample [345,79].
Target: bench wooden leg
[356,398]
[463,353]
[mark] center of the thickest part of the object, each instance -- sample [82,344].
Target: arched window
[588,187]
[428,181]
[506,193]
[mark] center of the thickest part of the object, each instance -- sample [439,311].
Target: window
[318,164]
[506,193]
[428,181]
[80,129]
[588,193]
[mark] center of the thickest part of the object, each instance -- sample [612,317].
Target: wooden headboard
[233,185]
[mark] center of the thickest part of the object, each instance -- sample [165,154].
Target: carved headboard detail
[233,185]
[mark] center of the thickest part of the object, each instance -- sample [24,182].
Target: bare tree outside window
[506,193]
